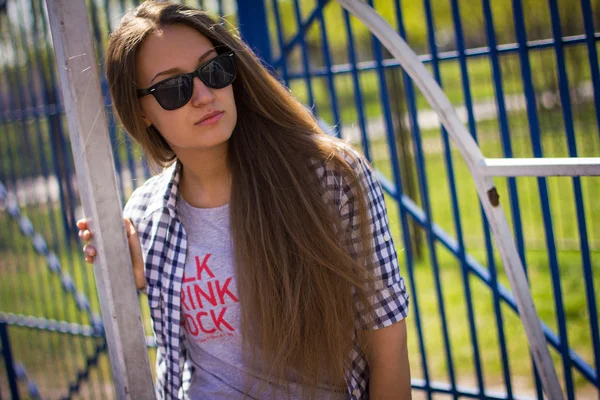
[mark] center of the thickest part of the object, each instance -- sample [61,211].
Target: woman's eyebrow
[176,69]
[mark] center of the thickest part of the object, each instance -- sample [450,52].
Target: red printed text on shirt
[204,301]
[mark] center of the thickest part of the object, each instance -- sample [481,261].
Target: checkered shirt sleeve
[390,300]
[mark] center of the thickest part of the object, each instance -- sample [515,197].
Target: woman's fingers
[135,249]
[90,253]
[85,235]
[89,250]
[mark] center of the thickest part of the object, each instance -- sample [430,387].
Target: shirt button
[386,237]
[356,393]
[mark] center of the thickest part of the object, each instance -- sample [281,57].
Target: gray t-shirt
[211,315]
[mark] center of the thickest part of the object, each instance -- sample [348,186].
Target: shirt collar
[167,198]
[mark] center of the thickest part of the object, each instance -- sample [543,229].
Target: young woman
[263,246]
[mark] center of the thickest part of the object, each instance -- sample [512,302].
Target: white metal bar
[511,167]
[484,184]
[84,106]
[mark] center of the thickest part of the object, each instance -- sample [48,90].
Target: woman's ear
[146,121]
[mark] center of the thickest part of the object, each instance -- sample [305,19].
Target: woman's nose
[202,94]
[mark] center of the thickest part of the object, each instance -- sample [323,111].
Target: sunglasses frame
[196,73]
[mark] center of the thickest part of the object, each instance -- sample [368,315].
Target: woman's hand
[135,249]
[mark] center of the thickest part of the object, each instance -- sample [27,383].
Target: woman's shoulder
[342,160]
[342,170]
[151,192]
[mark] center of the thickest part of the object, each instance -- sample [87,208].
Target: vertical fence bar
[590,42]
[56,137]
[460,44]
[133,165]
[330,77]
[104,89]
[252,19]
[114,132]
[455,206]
[503,120]
[9,362]
[563,84]
[356,85]
[109,112]
[220,11]
[305,58]
[588,22]
[416,133]
[281,40]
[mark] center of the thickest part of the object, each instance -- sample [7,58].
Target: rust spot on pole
[494,197]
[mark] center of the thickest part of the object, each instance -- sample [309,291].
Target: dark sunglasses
[175,92]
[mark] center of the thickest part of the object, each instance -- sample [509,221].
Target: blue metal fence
[525,79]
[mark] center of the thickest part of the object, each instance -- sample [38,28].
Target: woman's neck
[205,177]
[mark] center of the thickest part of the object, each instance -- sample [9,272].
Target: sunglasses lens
[174,93]
[218,73]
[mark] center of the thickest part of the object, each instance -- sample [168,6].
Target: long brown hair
[301,282]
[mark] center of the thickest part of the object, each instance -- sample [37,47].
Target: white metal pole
[575,166]
[484,184]
[90,141]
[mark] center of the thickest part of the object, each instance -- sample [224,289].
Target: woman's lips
[212,119]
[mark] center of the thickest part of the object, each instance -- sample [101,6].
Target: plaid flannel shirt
[153,210]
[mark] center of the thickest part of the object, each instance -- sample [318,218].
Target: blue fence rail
[524,78]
